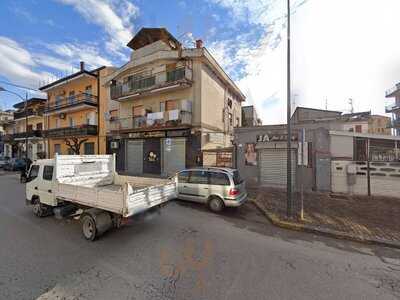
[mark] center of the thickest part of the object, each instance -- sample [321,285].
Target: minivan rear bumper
[236,202]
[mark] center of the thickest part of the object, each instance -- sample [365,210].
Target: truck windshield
[33,172]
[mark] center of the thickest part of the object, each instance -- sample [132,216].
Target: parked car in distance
[15,164]
[3,161]
[216,187]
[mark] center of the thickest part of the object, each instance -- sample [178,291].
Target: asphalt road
[184,253]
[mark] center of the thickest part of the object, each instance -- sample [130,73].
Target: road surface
[184,253]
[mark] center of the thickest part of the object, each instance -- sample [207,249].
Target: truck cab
[40,184]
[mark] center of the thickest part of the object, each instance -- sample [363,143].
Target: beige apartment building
[26,129]
[168,104]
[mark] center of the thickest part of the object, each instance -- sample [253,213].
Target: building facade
[173,103]
[394,107]
[250,117]
[6,116]
[26,130]
[75,113]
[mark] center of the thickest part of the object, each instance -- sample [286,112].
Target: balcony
[391,92]
[159,120]
[394,124]
[29,113]
[392,107]
[72,103]
[159,82]
[22,135]
[82,130]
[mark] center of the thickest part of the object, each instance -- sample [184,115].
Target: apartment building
[26,128]
[6,116]
[250,116]
[74,113]
[173,101]
[393,107]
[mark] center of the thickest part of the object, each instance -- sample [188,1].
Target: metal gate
[134,157]
[174,159]
[273,164]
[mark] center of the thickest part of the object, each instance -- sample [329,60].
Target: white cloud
[114,16]
[17,64]
[73,53]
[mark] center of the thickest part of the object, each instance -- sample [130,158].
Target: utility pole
[26,131]
[326,103]
[289,204]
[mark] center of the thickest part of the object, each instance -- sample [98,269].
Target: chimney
[82,63]
[199,44]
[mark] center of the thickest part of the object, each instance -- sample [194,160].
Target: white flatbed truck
[88,186]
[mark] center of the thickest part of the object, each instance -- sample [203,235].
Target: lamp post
[2,89]
[289,204]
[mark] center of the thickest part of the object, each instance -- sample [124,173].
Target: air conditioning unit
[62,116]
[114,145]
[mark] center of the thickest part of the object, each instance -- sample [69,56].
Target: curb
[275,220]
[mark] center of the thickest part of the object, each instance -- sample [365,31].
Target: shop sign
[146,134]
[178,133]
[274,137]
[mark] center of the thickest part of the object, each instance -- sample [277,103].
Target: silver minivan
[216,187]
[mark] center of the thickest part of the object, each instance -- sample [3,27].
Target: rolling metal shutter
[134,157]
[174,150]
[273,164]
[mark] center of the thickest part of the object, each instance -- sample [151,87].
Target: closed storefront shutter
[273,164]
[174,150]
[134,157]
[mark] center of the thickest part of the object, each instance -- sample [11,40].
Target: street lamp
[2,89]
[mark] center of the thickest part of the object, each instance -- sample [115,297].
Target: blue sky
[339,50]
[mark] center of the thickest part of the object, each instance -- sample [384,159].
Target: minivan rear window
[236,178]
[217,178]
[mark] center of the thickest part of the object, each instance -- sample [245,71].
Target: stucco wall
[341,146]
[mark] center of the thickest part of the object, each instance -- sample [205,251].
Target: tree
[74,144]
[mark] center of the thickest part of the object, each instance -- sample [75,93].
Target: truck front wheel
[89,227]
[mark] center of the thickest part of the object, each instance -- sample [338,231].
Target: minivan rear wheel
[216,204]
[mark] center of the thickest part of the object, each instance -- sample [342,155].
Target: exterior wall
[351,126]
[379,125]
[341,146]
[303,114]
[64,147]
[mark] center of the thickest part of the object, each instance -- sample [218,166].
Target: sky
[341,49]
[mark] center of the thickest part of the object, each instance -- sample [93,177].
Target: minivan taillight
[233,192]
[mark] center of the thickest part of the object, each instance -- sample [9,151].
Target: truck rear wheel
[89,228]
[41,210]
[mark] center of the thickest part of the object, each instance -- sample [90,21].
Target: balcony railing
[72,101]
[29,113]
[166,119]
[81,130]
[23,135]
[392,107]
[394,124]
[393,89]
[158,80]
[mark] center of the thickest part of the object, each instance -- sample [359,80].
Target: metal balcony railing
[394,123]
[23,135]
[157,80]
[393,89]
[166,119]
[29,113]
[70,101]
[391,107]
[80,130]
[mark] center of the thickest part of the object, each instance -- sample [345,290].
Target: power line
[19,86]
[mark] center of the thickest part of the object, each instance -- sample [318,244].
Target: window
[33,173]
[89,148]
[358,128]
[48,172]
[58,123]
[230,119]
[137,111]
[217,178]
[29,128]
[198,177]
[39,147]
[57,148]
[183,177]
[171,105]
[39,126]
[236,178]
[237,122]
[230,103]
[90,118]
[114,114]
[71,97]
[162,106]
[88,93]
[71,122]
[58,100]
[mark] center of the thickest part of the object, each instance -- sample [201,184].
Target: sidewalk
[359,218]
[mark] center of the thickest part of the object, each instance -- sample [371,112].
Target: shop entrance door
[152,156]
